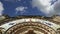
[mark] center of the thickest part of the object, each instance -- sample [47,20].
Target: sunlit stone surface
[30,26]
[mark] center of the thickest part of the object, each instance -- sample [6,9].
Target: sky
[14,8]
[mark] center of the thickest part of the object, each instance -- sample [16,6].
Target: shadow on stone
[30,32]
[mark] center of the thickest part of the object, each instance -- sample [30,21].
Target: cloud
[46,7]
[21,9]
[57,7]
[1,8]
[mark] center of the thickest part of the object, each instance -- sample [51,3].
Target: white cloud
[46,7]
[21,9]
[1,8]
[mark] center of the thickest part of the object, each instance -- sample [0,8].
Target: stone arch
[36,26]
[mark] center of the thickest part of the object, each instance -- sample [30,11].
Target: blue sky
[9,8]
[28,7]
